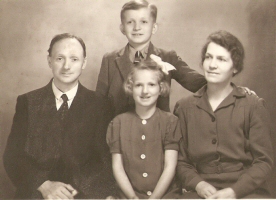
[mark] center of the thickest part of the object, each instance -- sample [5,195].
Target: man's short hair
[138,4]
[65,36]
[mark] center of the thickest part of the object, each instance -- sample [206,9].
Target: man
[56,148]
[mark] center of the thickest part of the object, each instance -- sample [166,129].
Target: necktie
[138,56]
[64,107]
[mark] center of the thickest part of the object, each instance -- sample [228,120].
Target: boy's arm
[103,79]
[184,75]
[121,177]
[167,175]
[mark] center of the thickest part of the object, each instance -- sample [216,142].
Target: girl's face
[218,64]
[146,88]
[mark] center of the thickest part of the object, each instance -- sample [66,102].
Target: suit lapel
[123,62]
[152,50]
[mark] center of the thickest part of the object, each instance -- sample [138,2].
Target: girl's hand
[205,189]
[227,193]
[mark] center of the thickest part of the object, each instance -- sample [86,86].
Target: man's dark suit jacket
[116,66]
[41,148]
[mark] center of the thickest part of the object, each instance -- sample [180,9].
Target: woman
[226,150]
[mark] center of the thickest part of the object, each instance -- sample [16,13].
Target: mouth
[137,34]
[66,74]
[145,97]
[213,73]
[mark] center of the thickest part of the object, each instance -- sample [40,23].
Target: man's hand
[166,67]
[227,193]
[205,189]
[57,190]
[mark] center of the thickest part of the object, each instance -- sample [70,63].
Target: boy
[138,24]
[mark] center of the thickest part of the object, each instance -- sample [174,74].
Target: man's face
[138,26]
[67,62]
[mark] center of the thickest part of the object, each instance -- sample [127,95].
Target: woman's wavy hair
[150,66]
[231,44]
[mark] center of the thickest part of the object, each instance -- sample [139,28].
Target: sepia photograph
[137,99]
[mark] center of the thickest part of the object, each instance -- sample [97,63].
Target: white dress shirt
[70,94]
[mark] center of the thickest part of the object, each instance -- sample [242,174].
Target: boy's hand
[248,91]
[205,189]
[166,67]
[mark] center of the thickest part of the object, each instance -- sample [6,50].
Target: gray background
[26,28]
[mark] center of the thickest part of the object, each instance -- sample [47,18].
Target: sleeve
[184,75]
[172,136]
[113,136]
[261,151]
[21,169]
[104,182]
[185,170]
[103,79]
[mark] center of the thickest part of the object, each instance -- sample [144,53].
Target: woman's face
[218,64]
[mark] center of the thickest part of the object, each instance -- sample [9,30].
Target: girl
[144,141]
[226,149]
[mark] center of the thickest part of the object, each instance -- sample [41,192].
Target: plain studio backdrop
[27,27]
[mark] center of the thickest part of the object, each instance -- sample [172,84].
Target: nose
[145,89]
[137,26]
[213,64]
[66,64]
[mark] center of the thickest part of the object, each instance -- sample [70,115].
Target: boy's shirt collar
[132,52]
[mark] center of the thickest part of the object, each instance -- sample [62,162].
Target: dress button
[144,121]
[143,137]
[214,141]
[149,193]
[143,156]
[145,175]
[213,119]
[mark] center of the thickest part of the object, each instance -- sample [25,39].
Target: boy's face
[138,26]
[66,62]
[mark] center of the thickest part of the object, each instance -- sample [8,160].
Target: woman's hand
[226,193]
[205,189]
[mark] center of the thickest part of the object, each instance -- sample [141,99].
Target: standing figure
[225,150]
[144,141]
[56,148]
[138,24]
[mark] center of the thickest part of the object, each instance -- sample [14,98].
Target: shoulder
[186,102]
[38,93]
[252,101]
[114,54]
[91,97]
[122,119]
[164,52]
[167,116]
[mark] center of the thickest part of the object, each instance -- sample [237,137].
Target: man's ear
[49,61]
[155,28]
[122,29]
[84,63]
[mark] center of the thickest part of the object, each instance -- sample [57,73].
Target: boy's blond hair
[138,4]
